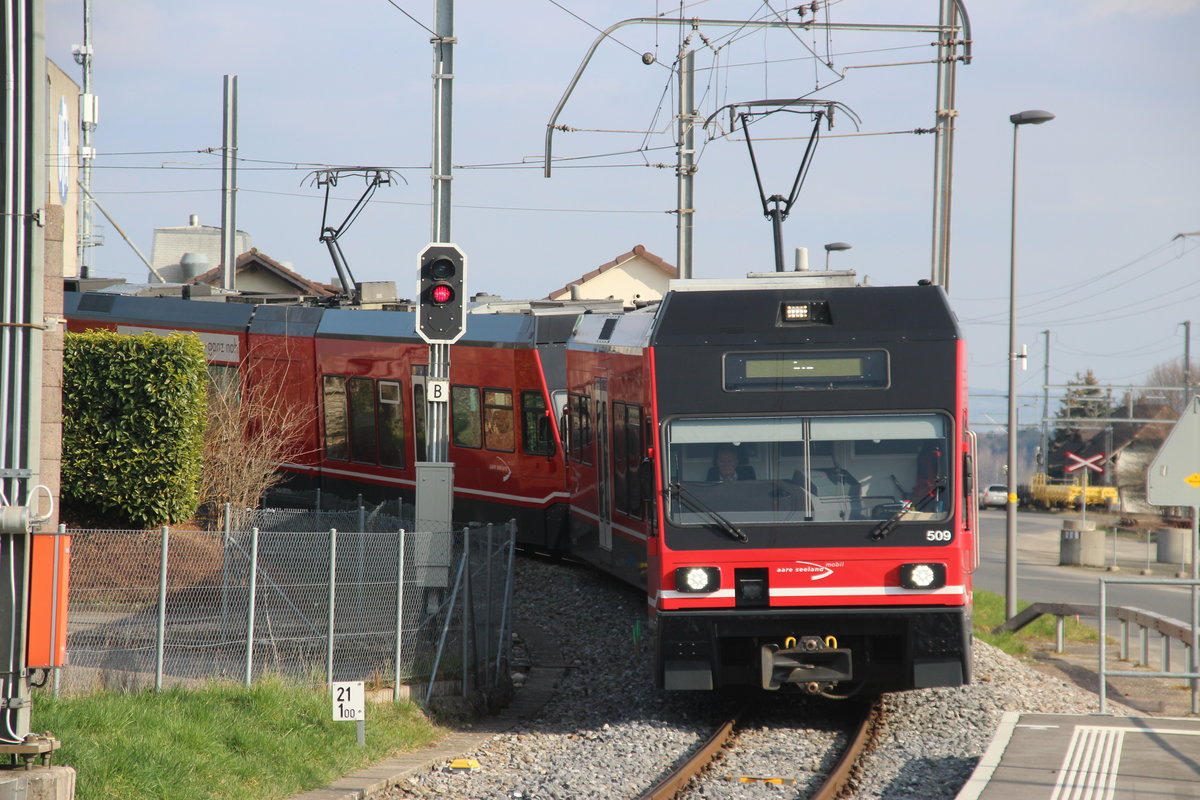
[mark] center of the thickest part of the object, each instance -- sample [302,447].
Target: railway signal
[441,297]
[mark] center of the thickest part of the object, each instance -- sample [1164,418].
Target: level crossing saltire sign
[1094,463]
[1174,475]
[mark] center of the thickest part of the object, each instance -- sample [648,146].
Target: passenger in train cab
[931,482]
[726,467]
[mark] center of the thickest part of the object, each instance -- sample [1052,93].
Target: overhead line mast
[952,21]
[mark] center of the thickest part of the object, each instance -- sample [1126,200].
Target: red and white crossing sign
[1094,463]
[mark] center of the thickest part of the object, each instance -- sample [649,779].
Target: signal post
[441,321]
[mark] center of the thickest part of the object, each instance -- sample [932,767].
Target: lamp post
[1010,584]
[829,248]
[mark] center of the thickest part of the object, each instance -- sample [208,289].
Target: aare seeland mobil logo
[815,572]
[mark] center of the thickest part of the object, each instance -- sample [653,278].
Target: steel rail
[678,778]
[833,786]
[838,778]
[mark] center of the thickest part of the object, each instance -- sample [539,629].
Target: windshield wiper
[884,528]
[694,503]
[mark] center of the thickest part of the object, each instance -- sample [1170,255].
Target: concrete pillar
[1173,545]
[1081,544]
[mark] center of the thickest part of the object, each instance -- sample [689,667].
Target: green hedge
[134,412]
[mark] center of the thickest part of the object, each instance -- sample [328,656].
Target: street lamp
[829,248]
[1010,584]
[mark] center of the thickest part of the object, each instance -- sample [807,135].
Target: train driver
[726,467]
[931,480]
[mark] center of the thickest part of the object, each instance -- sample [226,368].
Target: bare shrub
[253,429]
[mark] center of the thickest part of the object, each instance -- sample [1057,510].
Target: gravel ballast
[608,733]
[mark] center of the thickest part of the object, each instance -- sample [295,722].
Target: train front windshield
[798,469]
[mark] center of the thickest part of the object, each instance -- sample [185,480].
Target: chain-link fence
[313,596]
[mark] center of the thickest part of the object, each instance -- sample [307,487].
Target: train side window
[418,384]
[337,444]
[634,453]
[620,482]
[574,427]
[364,444]
[536,437]
[498,420]
[391,424]
[585,429]
[464,416]
[224,379]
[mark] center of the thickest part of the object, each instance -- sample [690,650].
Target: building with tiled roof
[634,278]
[257,273]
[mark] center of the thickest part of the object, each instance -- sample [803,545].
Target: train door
[603,463]
[419,372]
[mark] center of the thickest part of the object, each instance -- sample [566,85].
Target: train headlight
[923,576]
[794,312]
[697,579]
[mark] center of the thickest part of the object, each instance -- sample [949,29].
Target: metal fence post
[504,641]
[486,656]
[160,644]
[332,592]
[251,603]
[227,529]
[1060,634]
[399,612]
[468,617]
[1103,671]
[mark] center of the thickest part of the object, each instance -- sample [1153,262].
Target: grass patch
[224,741]
[989,612]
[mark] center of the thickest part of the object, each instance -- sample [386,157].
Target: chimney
[194,220]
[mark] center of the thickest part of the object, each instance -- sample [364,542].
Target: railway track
[703,764]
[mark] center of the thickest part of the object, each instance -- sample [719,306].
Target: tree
[1084,400]
[1163,384]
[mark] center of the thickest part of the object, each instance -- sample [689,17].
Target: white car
[995,495]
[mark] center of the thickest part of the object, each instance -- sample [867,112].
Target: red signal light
[441,294]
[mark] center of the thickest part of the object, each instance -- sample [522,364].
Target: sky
[1103,190]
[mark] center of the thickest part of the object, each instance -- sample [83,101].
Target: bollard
[1173,545]
[1081,544]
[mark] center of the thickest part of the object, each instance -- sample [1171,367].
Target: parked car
[995,495]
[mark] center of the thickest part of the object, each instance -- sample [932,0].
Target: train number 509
[938,536]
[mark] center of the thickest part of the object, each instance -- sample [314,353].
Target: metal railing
[277,597]
[1168,629]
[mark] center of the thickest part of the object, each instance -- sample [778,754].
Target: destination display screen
[773,372]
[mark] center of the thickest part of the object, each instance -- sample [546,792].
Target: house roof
[253,259]
[638,251]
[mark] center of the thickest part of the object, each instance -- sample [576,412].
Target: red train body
[783,464]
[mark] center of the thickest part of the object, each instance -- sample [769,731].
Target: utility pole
[1045,443]
[943,138]
[1187,362]
[88,118]
[229,186]
[685,167]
